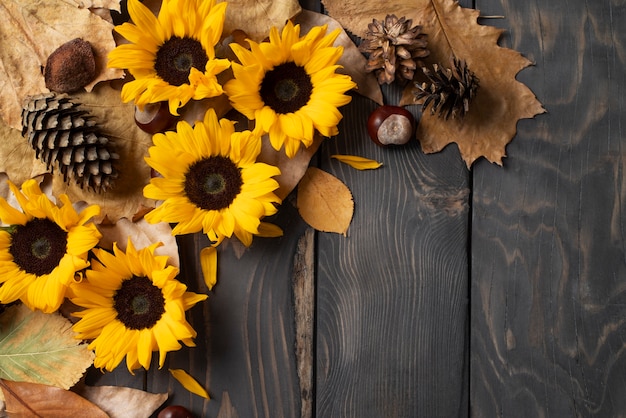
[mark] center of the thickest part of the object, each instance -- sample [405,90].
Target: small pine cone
[394,48]
[448,92]
[67,138]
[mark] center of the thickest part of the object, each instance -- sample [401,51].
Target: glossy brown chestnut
[155,118]
[390,125]
[175,411]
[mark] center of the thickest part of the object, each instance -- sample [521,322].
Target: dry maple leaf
[325,202]
[256,17]
[30,32]
[454,31]
[122,402]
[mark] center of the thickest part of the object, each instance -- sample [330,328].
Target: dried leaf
[29,400]
[256,17]
[324,202]
[208,262]
[30,32]
[360,163]
[40,348]
[142,234]
[291,169]
[122,402]
[189,382]
[352,60]
[117,122]
[17,157]
[500,101]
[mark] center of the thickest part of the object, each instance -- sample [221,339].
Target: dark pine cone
[66,138]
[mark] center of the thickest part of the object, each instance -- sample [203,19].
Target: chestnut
[390,125]
[175,411]
[154,118]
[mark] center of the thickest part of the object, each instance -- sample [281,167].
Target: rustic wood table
[495,291]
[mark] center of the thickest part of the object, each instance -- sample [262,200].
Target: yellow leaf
[208,262]
[324,202]
[360,163]
[189,382]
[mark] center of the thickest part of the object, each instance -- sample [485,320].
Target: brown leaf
[324,202]
[30,32]
[142,234]
[30,400]
[352,60]
[500,101]
[117,122]
[122,402]
[17,157]
[291,169]
[256,17]
[355,15]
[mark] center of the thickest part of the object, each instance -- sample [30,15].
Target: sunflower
[171,56]
[289,86]
[211,181]
[133,306]
[43,247]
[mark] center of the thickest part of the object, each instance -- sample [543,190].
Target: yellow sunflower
[133,306]
[289,86]
[171,56]
[43,247]
[211,181]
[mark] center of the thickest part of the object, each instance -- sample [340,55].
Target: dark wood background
[496,291]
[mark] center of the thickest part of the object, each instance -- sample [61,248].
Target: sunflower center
[176,57]
[38,246]
[139,303]
[286,88]
[213,183]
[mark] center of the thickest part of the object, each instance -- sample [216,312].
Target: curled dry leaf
[352,60]
[291,169]
[36,400]
[30,32]
[123,402]
[325,202]
[256,17]
[142,234]
[501,100]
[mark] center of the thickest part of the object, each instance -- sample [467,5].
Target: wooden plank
[392,295]
[548,234]
[245,353]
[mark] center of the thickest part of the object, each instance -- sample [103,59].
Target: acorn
[390,125]
[155,118]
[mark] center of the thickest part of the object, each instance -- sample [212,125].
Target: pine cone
[394,47]
[448,91]
[66,137]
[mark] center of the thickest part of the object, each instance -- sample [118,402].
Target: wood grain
[392,295]
[548,236]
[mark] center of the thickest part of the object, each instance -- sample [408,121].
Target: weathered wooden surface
[548,236]
[493,292]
